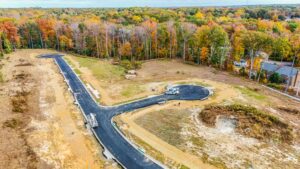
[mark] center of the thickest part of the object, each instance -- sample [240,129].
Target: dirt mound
[290,110]
[250,122]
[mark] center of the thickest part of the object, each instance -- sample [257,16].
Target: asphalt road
[110,138]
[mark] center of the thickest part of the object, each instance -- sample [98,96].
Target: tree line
[208,36]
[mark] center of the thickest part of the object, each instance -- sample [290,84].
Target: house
[283,69]
[241,64]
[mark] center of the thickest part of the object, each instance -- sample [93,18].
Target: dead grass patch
[12,123]
[250,122]
[166,124]
[19,102]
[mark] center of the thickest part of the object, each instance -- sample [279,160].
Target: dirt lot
[40,126]
[182,140]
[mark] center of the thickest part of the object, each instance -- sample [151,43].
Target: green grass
[217,162]
[100,69]
[132,90]
[77,71]
[69,61]
[251,93]
[198,142]
[195,83]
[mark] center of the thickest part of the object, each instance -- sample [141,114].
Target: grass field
[101,70]
[251,93]
[164,124]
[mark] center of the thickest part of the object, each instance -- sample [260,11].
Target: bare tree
[187,30]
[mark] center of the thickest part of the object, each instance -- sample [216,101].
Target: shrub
[242,71]
[131,65]
[137,64]
[275,78]
[126,64]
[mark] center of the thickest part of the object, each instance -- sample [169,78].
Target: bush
[275,78]
[131,65]
[137,64]
[242,71]
[126,64]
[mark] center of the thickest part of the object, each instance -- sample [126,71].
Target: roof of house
[287,71]
[280,69]
[270,67]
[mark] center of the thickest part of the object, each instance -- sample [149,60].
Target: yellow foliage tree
[199,15]
[204,54]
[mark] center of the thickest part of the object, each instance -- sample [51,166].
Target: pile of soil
[250,122]
[290,110]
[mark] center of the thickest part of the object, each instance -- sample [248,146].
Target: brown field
[43,119]
[40,126]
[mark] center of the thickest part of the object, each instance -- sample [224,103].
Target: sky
[134,3]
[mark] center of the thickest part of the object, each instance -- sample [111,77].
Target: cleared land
[174,134]
[40,125]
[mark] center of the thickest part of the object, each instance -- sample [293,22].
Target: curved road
[110,138]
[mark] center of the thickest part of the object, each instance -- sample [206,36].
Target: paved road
[110,138]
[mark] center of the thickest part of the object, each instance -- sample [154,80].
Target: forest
[207,36]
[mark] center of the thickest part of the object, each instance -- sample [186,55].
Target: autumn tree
[46,31]
[125,50]
[254,42]
[281,49]
[186,30]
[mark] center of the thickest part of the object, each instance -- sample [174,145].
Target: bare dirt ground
[40,126]
[202,146]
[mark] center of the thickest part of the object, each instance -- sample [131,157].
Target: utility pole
[251,64]
[261,67]
[290,75]
[298,88]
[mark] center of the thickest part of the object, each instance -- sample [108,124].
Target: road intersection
[115,144]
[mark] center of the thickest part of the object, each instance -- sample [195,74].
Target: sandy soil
[50,133]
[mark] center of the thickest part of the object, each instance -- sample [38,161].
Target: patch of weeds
[217,162]
[132,90]
[166,124]
[77,71]
[183,167]
[198,142]
[250,122]
[254,93]
[12,123]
